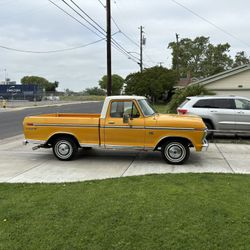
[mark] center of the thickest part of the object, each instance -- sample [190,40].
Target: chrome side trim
[152,128]
[170,128]
[115,127]
[242,123]
[65,125]
[127,127]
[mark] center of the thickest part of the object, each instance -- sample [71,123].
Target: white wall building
[231,82]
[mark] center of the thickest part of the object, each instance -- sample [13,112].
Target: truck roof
[119,97]
[125,97]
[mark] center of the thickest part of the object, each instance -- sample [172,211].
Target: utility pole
[177,56]
[109,62]
[141,44]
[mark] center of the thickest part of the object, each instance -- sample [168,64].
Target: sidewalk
[21,164]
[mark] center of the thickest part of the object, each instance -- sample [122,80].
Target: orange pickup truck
[126,122]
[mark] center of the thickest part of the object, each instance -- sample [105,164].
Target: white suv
[221,113]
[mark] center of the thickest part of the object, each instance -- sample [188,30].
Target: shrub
[181,94]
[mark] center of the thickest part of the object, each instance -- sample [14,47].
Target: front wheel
[64,148]
[175,152]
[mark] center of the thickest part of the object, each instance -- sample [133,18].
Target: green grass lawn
[185,211]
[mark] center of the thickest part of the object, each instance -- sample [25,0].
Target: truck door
[124,134]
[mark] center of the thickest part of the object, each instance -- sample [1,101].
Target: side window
[118,109]
[205,103]
[242,104]
[223,104]
[215,104]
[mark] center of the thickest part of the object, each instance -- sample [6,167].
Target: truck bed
[84,126]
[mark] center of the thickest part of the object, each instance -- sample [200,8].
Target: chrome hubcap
[175,152]
[63,149]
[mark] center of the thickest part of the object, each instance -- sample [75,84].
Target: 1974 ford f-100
[126,122]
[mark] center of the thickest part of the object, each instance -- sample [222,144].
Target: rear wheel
[175,152]
[65,148]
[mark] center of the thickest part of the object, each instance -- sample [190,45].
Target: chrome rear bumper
[25,142]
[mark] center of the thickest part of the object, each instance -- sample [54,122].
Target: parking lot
[21,164]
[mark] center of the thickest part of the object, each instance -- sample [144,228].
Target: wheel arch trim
[165,138]
[62,134]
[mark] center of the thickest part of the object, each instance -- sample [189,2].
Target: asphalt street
[11,121]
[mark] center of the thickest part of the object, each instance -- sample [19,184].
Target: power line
[211,23]
[120,30]
[87,15]
[102,32]
[102,4]
[84,18]
[99,26]
[114,42]
[74,18]
[131,40]
[51,51]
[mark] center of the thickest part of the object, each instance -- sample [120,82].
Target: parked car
[126,122]
[220,113]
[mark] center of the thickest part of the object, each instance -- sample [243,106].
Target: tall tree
[117,84]
[152,82]
[240,59]
[199,57]
[40,81]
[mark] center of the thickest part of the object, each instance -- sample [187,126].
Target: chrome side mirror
[125,118]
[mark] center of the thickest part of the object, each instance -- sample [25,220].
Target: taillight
[182,111]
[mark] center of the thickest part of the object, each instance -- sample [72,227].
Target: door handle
[111,122]
[240,112]
[213,111]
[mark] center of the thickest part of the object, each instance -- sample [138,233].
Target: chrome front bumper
[205,145]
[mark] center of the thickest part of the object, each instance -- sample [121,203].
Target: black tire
[65,148]
[175,152]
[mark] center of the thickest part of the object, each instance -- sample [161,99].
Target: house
[235,81]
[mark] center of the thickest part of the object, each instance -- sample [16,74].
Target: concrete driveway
[20,164]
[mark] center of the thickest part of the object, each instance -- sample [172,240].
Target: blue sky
[40,26]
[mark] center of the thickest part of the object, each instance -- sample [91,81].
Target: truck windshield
[146,108]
